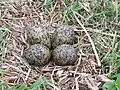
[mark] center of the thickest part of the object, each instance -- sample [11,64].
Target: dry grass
[85,75]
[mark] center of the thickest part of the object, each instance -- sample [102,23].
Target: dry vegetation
[97,33]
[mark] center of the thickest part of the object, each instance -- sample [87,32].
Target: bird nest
[84,75]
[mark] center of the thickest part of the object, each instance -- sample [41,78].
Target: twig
[93,46]
[79,61]
[77,84]
[98,31]
[53,86]
[53,80]
[17,69]
[27,74]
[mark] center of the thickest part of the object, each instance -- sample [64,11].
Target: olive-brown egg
[37,55]
[64,55]
[38,35]
[63,35]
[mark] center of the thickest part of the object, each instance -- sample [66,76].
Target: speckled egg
[38,35]
[63,35]
[37,55]
[64,55]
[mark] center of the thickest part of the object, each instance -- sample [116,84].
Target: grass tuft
[4,36]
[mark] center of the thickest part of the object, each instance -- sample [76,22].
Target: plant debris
[86,74]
